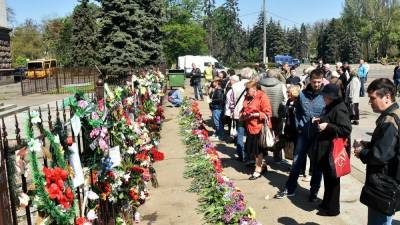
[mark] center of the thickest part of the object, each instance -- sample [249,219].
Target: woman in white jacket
[353,97]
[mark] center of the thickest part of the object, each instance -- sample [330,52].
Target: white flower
[92,195]
[142,195]
[35,119]
[91,215]
[126,177]
[131,150]
[35,145]
[23,199]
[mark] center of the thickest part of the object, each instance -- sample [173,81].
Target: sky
[289,12]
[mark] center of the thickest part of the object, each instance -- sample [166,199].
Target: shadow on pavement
[150,218]
[291,221]
[395,222]
[275,178]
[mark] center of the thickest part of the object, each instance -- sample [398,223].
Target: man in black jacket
[195,82]
[381,154]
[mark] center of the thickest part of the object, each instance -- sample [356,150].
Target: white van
[185,63]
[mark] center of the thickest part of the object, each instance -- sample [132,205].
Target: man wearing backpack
[381,190]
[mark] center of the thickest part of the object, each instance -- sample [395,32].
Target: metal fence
[12,183]
[64,79]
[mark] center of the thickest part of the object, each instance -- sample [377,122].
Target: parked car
[281,59]
[19,74]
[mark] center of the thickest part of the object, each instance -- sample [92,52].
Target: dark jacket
[396,73]
[309,104]
[380,154]
[293,80]
[195,77]
[217,99]
[339,125]
[290,123]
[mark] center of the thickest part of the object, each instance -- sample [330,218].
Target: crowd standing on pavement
[304,116]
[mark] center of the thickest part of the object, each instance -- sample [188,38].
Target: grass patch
[63,90]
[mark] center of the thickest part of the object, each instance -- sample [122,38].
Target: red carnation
[54,191]
[134,195]
[141,157]
[80,221]
[138,169]
[69,194]
[157,155]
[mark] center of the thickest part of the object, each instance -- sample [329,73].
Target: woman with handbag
[255,113]
[334,123]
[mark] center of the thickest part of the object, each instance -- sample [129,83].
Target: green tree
[329,42]
[276,40]
[304,43]
[350,48]
[51,36]
[183,39]
[231,32]
[294,41]
[27,41]
[84,32]
[153,19]
[64,45]
[120,36]
[20,61]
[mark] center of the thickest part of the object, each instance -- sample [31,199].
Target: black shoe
[355,122]
[322,212]
[255,176]
[312,198]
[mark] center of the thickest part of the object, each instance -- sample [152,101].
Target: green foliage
[329,42]
[27,41]
[20,61]
[84,34]
[64,46]
[183,39]
[253,55]
[120,36]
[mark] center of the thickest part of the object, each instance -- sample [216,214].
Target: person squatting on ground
[309,104]
[256,109]
[239,90]
[352,98]
[195,82]
[217,107]
[276,92]
[381,154]
[176,97]
[333,123]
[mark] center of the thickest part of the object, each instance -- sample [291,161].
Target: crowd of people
[304,113]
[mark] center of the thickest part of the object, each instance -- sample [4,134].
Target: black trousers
[277,128]
[331,199]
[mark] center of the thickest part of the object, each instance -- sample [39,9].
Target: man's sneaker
[283,194]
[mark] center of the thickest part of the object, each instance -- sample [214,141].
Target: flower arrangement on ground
[220,201]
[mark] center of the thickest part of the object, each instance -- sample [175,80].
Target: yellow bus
[41,68]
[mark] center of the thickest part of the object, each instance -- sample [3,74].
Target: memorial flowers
[220,200]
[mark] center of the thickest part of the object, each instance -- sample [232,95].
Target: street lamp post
[265,33]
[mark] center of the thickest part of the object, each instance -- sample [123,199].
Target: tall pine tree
[232,32]
[304,43]
[121,36]
[154,18]
[84,31]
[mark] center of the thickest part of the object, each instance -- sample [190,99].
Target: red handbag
[339,158]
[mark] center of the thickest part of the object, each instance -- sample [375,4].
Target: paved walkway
[170,204]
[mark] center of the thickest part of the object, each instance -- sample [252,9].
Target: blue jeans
[241,132]
[362,90]
[198,94]
[218,125]
[300,153]
[378,218]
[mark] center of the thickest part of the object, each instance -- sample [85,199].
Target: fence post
[5,214]
[57,83]
[100,89]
